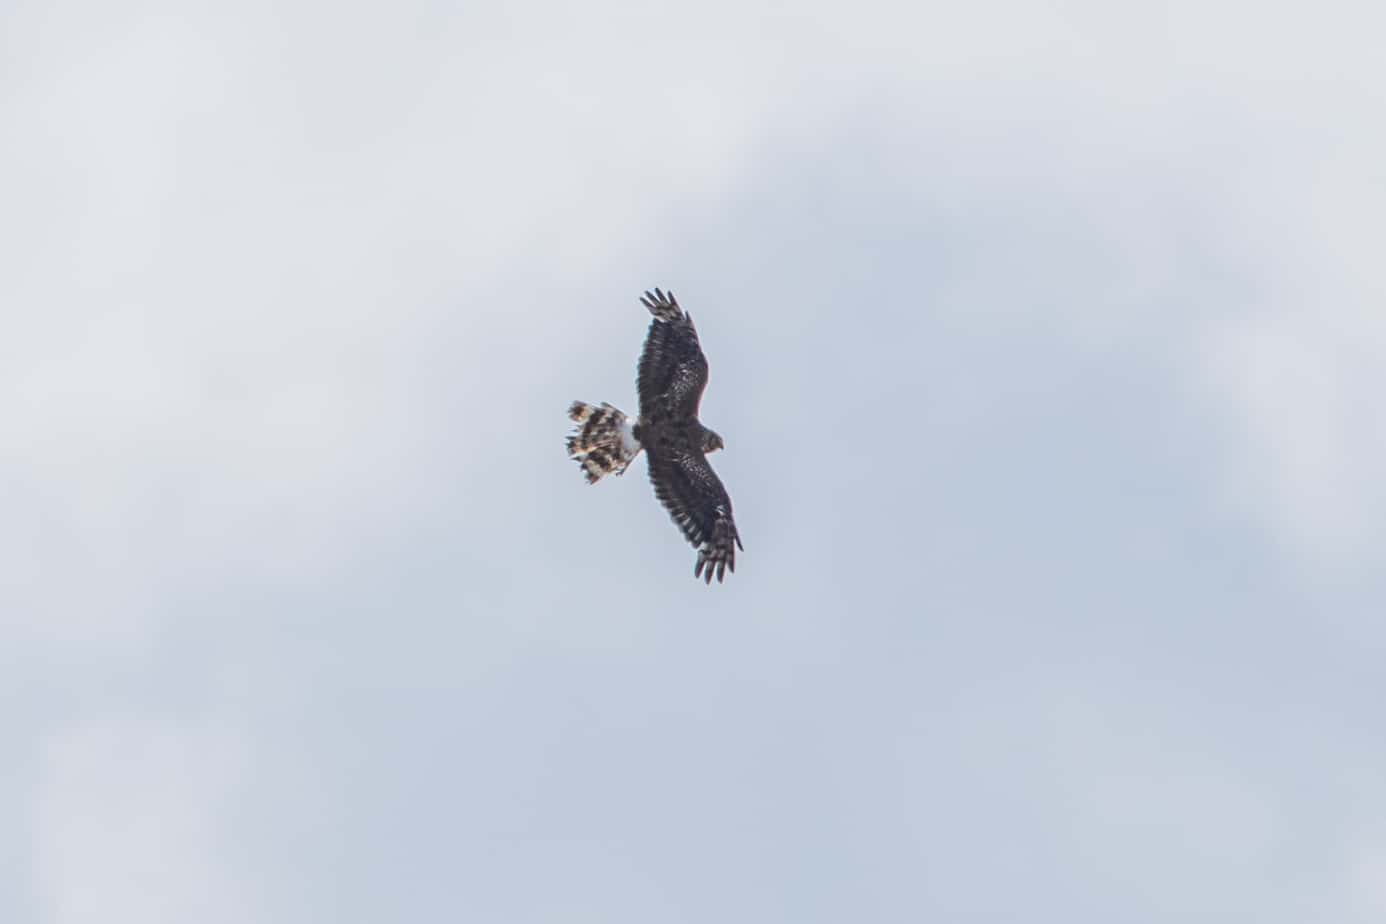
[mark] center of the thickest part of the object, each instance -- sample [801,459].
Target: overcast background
[1047,343]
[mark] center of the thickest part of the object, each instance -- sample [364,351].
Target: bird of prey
[670,381]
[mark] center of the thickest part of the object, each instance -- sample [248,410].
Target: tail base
[603,440]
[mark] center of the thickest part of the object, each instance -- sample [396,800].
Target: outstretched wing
[673,369]
[695,498]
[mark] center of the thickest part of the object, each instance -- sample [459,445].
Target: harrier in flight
[671,377]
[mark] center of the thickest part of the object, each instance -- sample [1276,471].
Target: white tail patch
[603,442]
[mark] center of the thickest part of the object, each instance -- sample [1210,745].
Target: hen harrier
[670,381]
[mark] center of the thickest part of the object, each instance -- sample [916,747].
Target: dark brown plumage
[670,379]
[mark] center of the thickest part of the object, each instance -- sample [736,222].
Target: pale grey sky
[1047,345]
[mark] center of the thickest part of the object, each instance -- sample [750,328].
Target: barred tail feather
[603,442]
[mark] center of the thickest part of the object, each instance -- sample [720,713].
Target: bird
[670,379]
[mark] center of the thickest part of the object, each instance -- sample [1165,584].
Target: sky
[1047,343]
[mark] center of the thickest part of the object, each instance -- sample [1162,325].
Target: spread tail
[603,442]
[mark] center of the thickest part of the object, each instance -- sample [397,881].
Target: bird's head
[711,441]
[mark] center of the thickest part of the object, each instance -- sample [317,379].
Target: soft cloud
[1309,440]
[1369,883]
[130,823]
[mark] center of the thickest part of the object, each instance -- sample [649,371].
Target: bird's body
[670,379]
